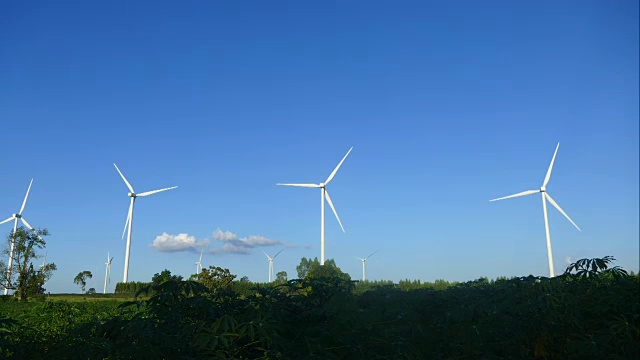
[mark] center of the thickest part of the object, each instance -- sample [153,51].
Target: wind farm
[427,129]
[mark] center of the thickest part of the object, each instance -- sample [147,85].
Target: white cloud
[257,240]
[568,260]
[231,243]
[175,243]
[229,248]
[235,245]
[224,235]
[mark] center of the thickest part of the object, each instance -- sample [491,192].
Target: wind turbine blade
[265,254]
[361,259]
[301,185]
[528,192]
[201,252]
[337,167]
[546,178]
[332,208]
[560,209]
[126,223]
[27,224]
[276,255]
[6,221]
[125,179]
[155,191]
[25,198]
[370,255]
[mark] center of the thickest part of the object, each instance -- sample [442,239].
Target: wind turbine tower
[364,265]
[324,194]
[271,272]
[545,197]
[106,275]
[44,262]
[132,194]
[199,262]
[15,218]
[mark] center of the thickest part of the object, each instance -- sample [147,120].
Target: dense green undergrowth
[582,315]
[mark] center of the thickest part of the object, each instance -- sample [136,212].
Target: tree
[244,279]
[327,271]
[281,277]
[303,268]
[91,291]
[164,276]
[312,269]
[81,278]
[217,279]
[22,277]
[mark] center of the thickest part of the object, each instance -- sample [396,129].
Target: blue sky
[446,106]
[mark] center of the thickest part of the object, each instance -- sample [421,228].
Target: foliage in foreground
[592,311]
[19,273]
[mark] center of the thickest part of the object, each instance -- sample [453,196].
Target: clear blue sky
[446,105]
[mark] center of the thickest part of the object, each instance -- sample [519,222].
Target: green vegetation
[81,279]
[592,311]
[19,273]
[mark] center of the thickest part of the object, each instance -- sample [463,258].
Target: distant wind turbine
[323,193]
[132,194]
[44,262]
[545,197]
[271,275]
[199,262]
[106,275]
[364,265]
[15,218]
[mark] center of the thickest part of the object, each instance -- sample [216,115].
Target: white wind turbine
[132,194]
[15,218]
[271,273]
[545,197]
[44,262]
[106,275]
[364,265]
[199,262]
[323,193]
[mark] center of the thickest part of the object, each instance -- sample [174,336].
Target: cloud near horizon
[176,243]
[232,244]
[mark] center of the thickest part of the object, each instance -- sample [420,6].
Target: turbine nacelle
[17,216]
[133,195]
[543,189]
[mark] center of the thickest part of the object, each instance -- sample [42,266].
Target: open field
[89,297]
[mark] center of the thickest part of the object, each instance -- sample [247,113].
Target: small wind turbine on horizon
[545,197]
[324,193]
[106,275]
[132,194]
[199,262]
[271,272]
[15,218]
[364,265]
